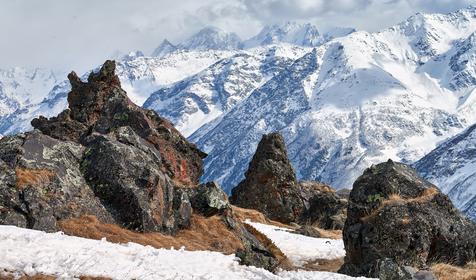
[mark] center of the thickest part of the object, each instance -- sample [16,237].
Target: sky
[77,35]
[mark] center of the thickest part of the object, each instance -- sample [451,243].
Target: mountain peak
[212,38]
[163,49]
[289,32]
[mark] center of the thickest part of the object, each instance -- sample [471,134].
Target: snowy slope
[452,167]
[351,102]
[32,252]
[301,249]
[209,94]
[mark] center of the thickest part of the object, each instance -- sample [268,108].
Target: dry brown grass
[33,177]
[243,214]
[204,234]
[324,265]
[395,199]
[448,272]
[331,234]
[283,261]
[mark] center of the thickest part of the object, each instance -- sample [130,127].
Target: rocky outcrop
[101,106]
[270,186]
[106,157]
[394,216]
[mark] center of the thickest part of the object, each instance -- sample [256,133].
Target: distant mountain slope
[204,97]
[352,102]
[452,167]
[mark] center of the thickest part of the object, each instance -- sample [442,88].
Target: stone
[271,187]
[209,199]
[394,213]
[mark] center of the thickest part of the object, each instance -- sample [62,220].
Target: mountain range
[343,100]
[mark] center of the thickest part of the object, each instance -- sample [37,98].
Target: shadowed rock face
[394,215]
[271,187]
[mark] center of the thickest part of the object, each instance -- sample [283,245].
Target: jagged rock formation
[104,156]
[394,214]
[271,187]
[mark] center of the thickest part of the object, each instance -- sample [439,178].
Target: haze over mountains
[343,100]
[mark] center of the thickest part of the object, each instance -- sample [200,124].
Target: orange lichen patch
[449,272]
[324,265]
[204,234]
[33,177]
[283,261]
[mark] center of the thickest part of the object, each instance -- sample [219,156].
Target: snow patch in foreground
[33,252]
[301,249]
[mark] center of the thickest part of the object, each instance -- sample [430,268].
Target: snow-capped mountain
[212,38]
[164,49]
[349,103]
[20,87]
[452,167]
[208,38]
[209,94]
[291,32]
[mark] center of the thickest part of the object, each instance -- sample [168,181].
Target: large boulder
[271,187]
[396,216]
[270,184]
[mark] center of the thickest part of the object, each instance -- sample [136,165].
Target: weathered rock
[41,182]
[209,199]
[254,252]
[323,207]
[270,186]
[395,214]
[126,173]
[100,105]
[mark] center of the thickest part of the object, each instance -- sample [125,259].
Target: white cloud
[79,34]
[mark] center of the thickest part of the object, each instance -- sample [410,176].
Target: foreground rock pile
[104,156]
[397,222]
[270,186]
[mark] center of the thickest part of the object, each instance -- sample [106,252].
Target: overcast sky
[79,34]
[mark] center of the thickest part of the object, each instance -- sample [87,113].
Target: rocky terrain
[270,186]
[398,223]
[107,157]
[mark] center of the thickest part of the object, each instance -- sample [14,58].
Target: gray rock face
[41,183]
[271,187]
[209,199]
[395,214]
